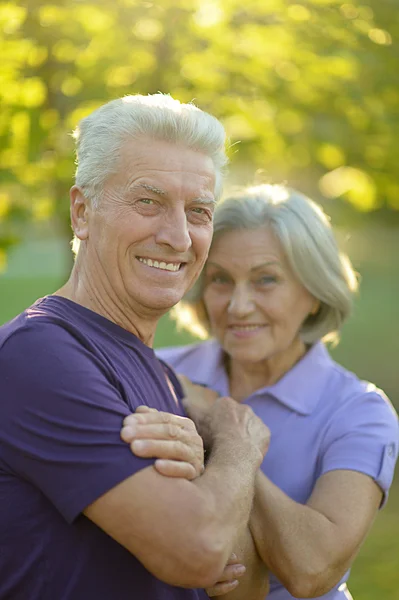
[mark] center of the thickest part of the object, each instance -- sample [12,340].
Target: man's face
[149,237]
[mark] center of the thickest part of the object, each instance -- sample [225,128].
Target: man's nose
[241,302]
[174,231]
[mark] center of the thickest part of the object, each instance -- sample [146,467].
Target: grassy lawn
[18,293]
[375,574]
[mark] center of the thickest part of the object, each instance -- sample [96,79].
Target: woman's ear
[315,308]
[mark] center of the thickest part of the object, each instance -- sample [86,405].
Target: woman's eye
[220,279]
[266,279]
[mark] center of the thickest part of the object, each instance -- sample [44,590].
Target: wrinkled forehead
[247,246]
[164,166]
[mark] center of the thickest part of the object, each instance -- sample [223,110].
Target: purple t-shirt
[321,418]
[68,377]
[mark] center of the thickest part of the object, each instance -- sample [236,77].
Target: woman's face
[255,304]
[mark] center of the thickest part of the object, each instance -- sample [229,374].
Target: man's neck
[80,289]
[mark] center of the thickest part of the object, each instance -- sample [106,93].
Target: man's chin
[161,302]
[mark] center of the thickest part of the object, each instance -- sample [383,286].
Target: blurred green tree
[309,89]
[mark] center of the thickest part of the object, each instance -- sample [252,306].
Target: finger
[155,416]
[164,449]
[222,588]
[169,432]
[144,409]
[232,572]
[175,468]
[162,431]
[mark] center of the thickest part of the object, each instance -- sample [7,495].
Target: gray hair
[100,136]
[308,242]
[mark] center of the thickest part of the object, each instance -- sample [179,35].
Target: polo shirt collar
[300,389]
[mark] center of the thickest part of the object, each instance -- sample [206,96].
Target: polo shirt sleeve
[364,437]
[61,415]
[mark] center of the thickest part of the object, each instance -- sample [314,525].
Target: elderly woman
[275,288]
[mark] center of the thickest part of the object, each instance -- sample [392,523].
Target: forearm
[294,540]
[228,484]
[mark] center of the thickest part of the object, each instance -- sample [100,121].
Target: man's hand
[172,440]
[229,579]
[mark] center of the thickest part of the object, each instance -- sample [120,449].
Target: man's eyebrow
[155,190]
[149,188]
[205,200]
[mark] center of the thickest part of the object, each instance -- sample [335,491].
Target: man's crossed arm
[176,444]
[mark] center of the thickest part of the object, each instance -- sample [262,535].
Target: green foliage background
[309,89]
[308,92]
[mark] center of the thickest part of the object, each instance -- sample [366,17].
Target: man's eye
[146,201]
[202,213]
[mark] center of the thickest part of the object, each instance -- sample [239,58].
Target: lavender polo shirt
[321,417]
[68,377]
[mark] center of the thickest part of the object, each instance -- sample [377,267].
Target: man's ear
[80,209]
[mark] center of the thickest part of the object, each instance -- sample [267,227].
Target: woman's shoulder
[358,405]
[178,356]
[343,394]
[356,390]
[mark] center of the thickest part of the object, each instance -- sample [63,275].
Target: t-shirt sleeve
[364,437]
[61,415]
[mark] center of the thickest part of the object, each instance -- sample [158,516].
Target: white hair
[100,136]
[305,234]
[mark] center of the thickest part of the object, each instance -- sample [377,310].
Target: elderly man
[80,516]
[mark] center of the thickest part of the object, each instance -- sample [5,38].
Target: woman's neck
[245,378]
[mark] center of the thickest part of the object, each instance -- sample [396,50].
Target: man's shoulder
[39,347]
[35,328]
[22,329]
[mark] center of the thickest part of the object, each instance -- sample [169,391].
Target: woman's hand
[172,440]
[198,402]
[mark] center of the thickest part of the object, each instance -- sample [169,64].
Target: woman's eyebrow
[266,264]
[209,263]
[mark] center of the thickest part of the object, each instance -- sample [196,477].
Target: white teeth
[170,266]
[160,265]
